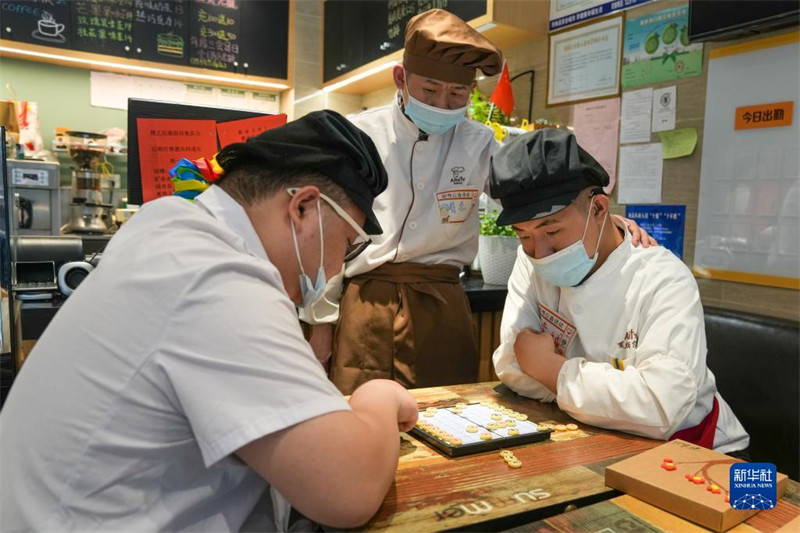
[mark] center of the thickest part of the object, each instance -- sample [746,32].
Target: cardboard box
[644,476]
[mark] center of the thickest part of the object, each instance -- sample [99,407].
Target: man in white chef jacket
[404,314]
[611,332]
[174,387]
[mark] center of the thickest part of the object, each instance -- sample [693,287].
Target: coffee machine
[88,212]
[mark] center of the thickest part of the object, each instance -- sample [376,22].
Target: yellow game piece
[497,416]
[491,426]
[514,463]
[486,436]
[513,432]
[472,429]
[543,427]
[560,427]
[455,442]
[572,427]
[461,405]
[521,416]
[501,424]
[510,422]
[506,453]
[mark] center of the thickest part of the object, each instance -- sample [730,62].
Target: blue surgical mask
[568,267]
[311,291]
[432,120]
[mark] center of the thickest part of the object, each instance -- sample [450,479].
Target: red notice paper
[164,142]
[237,131]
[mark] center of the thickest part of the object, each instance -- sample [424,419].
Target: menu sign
[214,28]
[164,142]
[42,22]
[160,29]
[102,26]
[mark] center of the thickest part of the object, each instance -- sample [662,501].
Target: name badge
[558,327]
[455,205]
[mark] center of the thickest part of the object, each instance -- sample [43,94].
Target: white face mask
[568,267]
[311,291]
[430,119]
[325,310]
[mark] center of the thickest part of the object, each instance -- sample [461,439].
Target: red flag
[502,96]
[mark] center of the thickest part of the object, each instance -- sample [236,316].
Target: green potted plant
[497,250]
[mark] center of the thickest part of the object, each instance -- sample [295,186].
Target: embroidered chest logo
[631,340]
[458,176]
[558,327]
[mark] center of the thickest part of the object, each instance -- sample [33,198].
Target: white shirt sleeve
[658,388]
[521,311]
[236,361]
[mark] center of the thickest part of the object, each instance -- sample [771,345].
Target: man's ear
[301,203]
[601,206]
[399,77]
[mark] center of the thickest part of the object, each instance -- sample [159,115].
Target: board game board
[462,429]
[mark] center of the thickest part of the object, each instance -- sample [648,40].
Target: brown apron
[408,322]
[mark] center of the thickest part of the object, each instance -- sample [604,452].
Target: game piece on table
[560,427]
[476,429]
[572,427]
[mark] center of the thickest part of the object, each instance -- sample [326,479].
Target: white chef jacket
[179,349]
[429,211]
[642,308]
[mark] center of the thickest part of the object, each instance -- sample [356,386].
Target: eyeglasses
[361,241]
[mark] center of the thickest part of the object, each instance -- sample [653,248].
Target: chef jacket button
[420,185]
[577,309]
[412,225]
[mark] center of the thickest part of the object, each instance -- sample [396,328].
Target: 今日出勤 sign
[764,116]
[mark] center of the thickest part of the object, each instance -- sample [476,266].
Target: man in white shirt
[174,387]
[613,333]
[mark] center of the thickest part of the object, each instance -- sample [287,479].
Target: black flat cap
[324,142]
[540,173]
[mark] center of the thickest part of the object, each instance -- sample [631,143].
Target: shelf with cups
[363,40]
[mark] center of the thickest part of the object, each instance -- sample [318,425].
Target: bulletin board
[748,221]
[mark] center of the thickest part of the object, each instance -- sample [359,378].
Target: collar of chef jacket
[228,211]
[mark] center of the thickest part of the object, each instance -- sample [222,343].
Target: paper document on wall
[636,110]
[109,90]
[597,129]
[640,171]
[664,104]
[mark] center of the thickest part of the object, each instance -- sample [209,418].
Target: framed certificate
[584,62]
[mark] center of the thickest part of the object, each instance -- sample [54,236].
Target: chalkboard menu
[214,34]
[102,26]
[360,31]
[243,36]
[43,22]
[160,30]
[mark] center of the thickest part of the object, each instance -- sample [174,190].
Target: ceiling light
[148,70]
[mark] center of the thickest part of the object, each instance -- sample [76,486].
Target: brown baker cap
[441,46]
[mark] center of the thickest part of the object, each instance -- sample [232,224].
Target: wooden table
[433,492]
[630,515]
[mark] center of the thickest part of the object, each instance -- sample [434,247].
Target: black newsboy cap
[325,142]
[540,173]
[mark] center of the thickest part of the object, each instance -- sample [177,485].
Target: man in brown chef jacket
[404,314]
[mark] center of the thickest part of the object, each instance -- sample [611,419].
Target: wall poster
[584,62]
[657,49]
